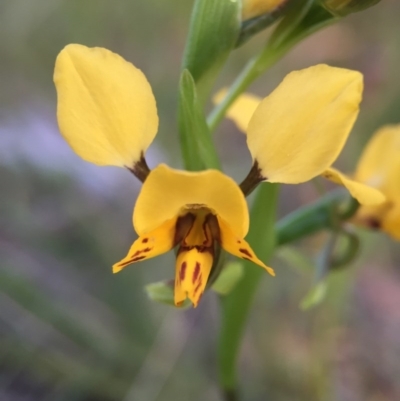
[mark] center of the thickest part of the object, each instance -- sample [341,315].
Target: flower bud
[341,8]
[256,8]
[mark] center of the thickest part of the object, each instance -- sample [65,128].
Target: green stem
[236,305]
[325,213]
[271,53]
[249,74]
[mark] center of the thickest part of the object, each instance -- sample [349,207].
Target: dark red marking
[182,272]
[137,253]
[196,272]
[245,252]
[213,225]
[131,261]
[138,258]
[145,240]
[373,223]
[183,226]
[197,287]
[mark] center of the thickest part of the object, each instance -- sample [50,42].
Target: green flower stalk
[341,8]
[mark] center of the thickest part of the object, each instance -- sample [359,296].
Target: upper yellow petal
[106,109]
[241,110]
[363,193]
[298,131]
[379,164]
[166,191]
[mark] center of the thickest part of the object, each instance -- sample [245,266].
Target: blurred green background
[70,330]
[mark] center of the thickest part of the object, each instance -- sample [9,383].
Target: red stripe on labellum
[138,258]
[245,252]
[197,287]
[182,271]
[196,272]
[134,259]
[141,251]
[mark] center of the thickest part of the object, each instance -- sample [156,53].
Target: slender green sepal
[214,29]
[197,147]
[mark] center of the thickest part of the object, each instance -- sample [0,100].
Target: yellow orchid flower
[304,122]
[379,166]
[107,113]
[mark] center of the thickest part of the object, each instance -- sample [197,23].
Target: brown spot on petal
[196,272]
[147,249]
[373,223]
[245,252]
[239,242]
[145,240]
[182,271]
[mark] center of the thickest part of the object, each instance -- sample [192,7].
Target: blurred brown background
[70,330]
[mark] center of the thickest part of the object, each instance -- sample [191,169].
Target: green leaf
[163,292]
[295,259]
[228,278]
[198,150]
[236,305]
[214,29]
[315,296]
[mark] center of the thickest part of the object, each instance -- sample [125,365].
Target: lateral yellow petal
[192,270]
[167,191]
[363,193]
[298,131]
[238,246]
[241,110]
[106,109]
[150,244]
[391,221]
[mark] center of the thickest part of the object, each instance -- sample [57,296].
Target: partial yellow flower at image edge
[379,166]
[107,113]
